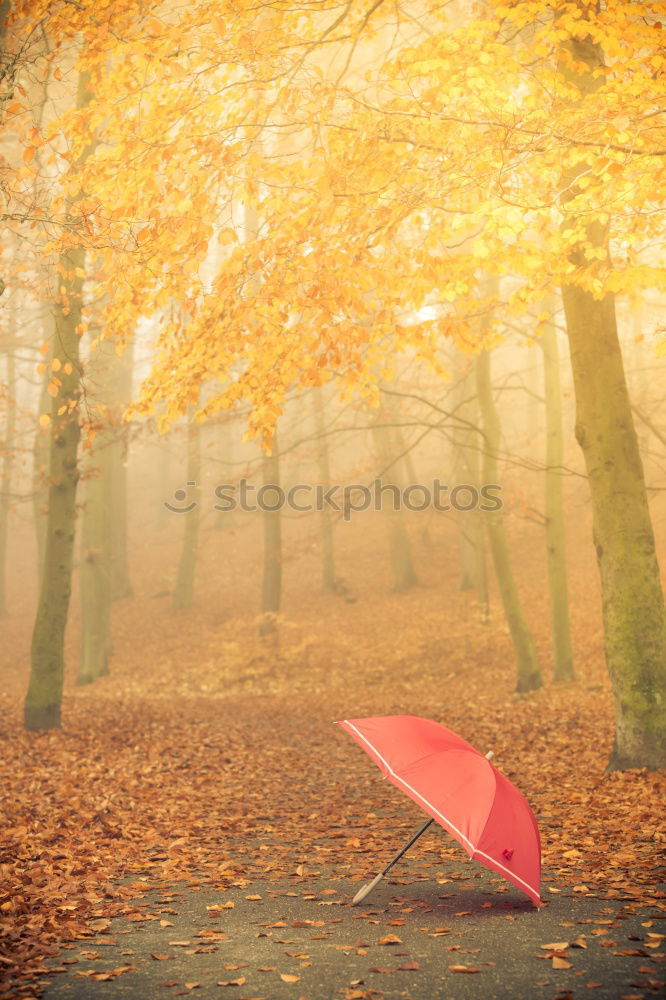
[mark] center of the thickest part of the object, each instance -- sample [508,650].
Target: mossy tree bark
[182,596]
[527,666]
[95,564]
[563,668]
[97,542]
[42,706]
[44,697]
[632,597]
[326,516]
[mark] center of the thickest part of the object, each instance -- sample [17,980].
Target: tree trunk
[325,517]
[96,563]
[40,460]
[7,468]
[120,577]
[225,520]
[182,596]
[529,676]
[271,587]
[555,529]
[404,575]
[44,697]
[632,598]
[97,542]
[42,707]
[467,443]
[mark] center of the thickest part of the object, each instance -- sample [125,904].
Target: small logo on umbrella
[508,854]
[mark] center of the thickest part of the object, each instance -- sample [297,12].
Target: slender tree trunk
[120,577]
[96,563]
[467,443]
[224,520]
[632,598]
[325,517]
[44,697]
[97,542]
[529,676]
[404,575]
[271,586]
[165,476]
[407,461]
[182,597]
[40,460]
[7,468]
[563,669]
[42,706]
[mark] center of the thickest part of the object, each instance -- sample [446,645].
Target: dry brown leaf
[560,963]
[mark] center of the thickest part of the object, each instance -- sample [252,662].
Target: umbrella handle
[367,889]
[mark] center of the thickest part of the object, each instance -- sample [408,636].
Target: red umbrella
[458,788]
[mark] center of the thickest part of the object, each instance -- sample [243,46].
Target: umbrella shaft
[407,846]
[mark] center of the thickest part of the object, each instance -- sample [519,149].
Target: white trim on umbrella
[445,820]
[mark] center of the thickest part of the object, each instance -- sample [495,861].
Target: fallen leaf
[560,963]
[390,939]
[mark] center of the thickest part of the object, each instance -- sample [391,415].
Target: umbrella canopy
[460,789]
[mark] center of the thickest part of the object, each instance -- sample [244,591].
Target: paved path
[301,939]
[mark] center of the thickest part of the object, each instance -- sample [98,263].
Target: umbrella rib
[447,821]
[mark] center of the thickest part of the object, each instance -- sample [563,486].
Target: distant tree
[324,469]
[392,484]
[182,595]
[527,665]
[8,455]
[43,700]
[563,668]
[271,583]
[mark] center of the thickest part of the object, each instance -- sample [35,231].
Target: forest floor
[205,771]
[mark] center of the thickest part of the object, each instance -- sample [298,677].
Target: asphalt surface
[187,940]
